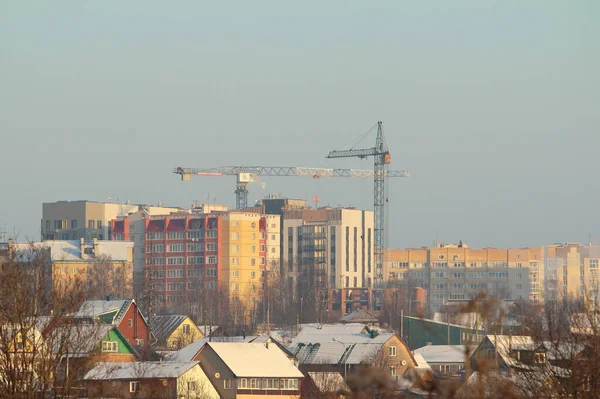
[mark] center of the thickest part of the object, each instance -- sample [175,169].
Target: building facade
[104,268]
[326,249]
[72,220]
[457,272]
[572,271]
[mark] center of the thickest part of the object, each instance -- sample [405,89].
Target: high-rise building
[72,220]
[329,248]
[457,272]
[193,261]
[572,271]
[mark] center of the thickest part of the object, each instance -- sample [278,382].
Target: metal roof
[445,354]
[255,360]
[70,250]
[189,352]
[98,308]
[138,370]
[164,326]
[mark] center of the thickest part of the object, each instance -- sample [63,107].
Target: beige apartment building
[72,220]
[333,245]
[572,271]
[457,272]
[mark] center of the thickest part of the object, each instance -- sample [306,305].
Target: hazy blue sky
[494,107]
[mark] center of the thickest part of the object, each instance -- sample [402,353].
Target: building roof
[354,343]
[445,354]
[138,370]
[505,343]
[164,326]
[255,360]
[99,308]
[208,329]
[360,316]
[189,352]
[70,250]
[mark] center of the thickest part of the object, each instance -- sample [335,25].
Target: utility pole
[402,324]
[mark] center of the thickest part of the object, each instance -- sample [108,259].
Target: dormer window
[540,358]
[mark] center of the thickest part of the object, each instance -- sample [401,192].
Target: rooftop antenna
[590,239]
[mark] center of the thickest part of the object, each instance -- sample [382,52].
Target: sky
[493,107]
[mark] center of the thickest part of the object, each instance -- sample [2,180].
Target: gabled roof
[164,326]
[324,332]
[82,339]
[111,312]
[506,343]
[189,352]
[254,360]
[207,330]
[138,370]
[445,354]
[360,316]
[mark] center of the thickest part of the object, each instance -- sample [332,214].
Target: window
[211,246]
[253,262]
[175,260]
[157,274]
[156,248]
[235,261]
[235,235]
[235,274]
[288,384]
[73,224]
[99,224]
[235,248]
[235,223]
[196,247]
[272,237]
[253,275]
[253,249]
[243,383]
[272,250]
[175,235]
[139,342]
[262,235]
[444,368]
[65,236]
[235,287]
[347,282]
[195,260]
[47,225]
[392,370]
[211,234]
[211,260]
[194,234]
[254,383]
[175,273]
[212,272]
[253,237]
[110,346]
[134,386]
[186,328]
[90,224]
[175,248]
[355,282]
[262,261]
[263,248]
[593,263]
[156,235]
[130,322]
[392,351]
[540,358]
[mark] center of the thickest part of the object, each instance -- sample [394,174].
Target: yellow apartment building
[457,272]
[573,271]
[104,267]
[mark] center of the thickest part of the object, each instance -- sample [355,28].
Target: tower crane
[382,158]
[249,174]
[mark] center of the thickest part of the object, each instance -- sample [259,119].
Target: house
[149,380]
[362,317]
[509,352]
[87,344]
[346,347]
[238,369]
[174,331]
[123,314]
[445,359]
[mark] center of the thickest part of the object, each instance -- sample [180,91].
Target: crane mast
[382,158]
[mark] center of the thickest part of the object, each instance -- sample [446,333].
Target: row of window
[62,224]
[261,383]
[180,273]
[180,235]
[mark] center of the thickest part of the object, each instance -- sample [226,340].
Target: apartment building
[72,220]
[104,267]
[330,248]
[198,257]
[456,272]
[572,271]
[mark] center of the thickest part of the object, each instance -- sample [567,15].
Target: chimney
[82,246]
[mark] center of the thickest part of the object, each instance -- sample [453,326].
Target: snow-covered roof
[138,370]
[445,354]
[255,360]
[207,330]
[70,250]
[189,352]
[99,307]
[328,382]
[360,316]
